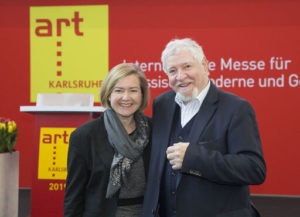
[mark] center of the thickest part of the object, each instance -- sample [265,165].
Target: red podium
[53,126]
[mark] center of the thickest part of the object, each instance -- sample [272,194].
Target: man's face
[187,77]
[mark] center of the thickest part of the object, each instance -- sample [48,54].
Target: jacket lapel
[105,150]
[146,159]
[165,114]
[204,115]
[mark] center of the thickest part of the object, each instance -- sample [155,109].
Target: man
[206,147]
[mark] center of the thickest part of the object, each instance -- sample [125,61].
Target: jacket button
[153,211]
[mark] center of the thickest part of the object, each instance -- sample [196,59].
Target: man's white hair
[177,45]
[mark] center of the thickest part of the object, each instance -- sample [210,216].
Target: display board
[50,150]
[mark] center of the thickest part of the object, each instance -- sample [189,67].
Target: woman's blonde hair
[118,72]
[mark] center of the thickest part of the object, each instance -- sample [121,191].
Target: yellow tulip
[12,124]
[10,129]
[2,126]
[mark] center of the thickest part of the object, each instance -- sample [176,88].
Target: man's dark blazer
[89,161]
[223,158]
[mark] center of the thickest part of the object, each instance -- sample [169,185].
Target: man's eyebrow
[183,63]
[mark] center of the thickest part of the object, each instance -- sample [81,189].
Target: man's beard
[194,95]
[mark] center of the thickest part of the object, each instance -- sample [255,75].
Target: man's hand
[175,154]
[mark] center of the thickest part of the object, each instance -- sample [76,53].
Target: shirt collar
[200,98]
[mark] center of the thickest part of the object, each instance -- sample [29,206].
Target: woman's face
[126,96]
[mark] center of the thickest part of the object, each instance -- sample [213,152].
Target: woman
[108,157]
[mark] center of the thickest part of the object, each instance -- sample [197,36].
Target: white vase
[9,184]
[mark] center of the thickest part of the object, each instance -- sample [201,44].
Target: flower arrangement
[8,135]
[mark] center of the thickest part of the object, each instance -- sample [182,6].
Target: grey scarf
[126,150]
